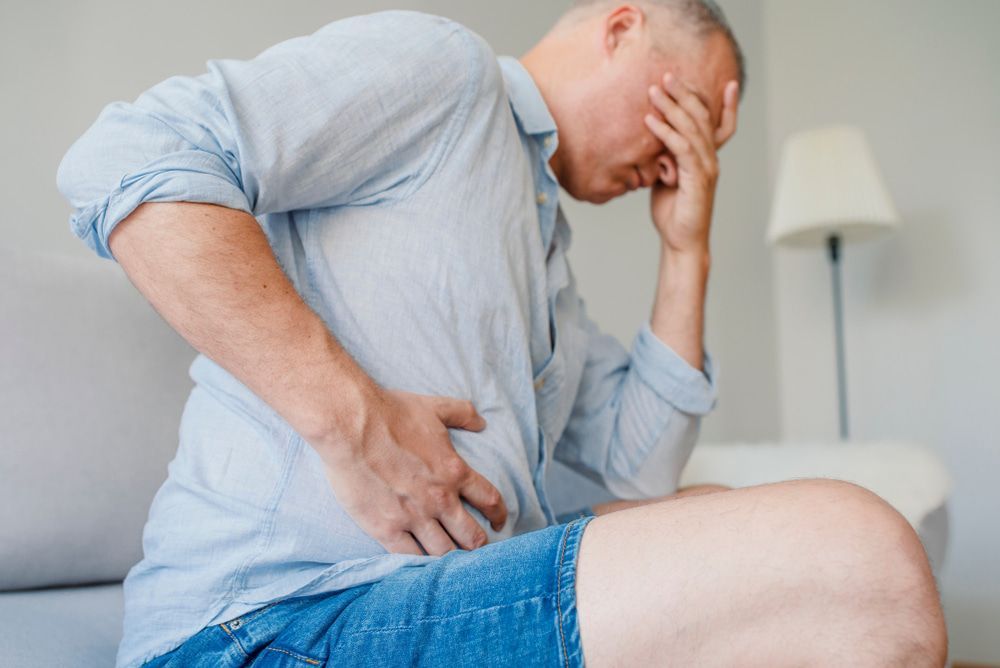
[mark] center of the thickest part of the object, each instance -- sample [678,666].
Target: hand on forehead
[721,109]
[716,110]
[687,122]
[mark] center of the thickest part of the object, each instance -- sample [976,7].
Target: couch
[92,389]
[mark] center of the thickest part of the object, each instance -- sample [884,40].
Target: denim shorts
[510,603]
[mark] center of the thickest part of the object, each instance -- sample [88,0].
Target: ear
[667,170]
[622,25]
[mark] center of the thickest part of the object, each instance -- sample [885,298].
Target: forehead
[705,65]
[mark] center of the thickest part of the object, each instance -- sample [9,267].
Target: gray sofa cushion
[79,626]
[92,389]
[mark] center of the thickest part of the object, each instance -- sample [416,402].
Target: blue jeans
[511,603]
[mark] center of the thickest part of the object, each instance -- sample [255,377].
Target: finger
[679,145]
[682,122]
[462,527]
[689,101]
[459,413]
[433,538]
[730,109]
[485,498]
[700,134]
[401,543]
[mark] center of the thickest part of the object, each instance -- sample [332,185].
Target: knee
[855,521]
[887,570]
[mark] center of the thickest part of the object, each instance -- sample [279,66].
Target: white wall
[60,63]
[922,307]
[615,255]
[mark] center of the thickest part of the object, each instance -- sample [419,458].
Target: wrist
[691,263]
[679,305]
[339,407]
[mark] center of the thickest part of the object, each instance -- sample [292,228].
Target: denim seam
[562,556]
[254,613]
[300,657]
[239,645]
[424,620]
[586,511]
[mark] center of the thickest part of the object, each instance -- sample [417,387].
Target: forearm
[209,271]
[679,308]
[637,412]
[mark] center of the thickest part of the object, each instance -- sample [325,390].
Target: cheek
[649,146]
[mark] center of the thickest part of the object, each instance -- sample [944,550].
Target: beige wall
[922,307]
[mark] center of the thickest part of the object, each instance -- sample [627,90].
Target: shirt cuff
[671,377]
[195,178]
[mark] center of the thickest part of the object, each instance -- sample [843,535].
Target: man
[356,227]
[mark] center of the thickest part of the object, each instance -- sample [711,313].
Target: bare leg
[809,572]
[693,490]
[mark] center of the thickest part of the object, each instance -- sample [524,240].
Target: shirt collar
[526,101]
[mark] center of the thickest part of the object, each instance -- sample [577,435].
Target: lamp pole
[833,246]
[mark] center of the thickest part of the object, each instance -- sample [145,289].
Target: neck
[545,63]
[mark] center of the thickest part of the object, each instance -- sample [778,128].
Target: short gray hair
[702,17]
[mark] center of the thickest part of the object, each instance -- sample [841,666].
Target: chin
[601,198]
[608,194]
[596,195]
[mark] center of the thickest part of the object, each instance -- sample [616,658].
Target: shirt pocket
[553,400]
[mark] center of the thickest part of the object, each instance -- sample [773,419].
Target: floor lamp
[830,192]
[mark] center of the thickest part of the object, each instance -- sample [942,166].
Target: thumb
[460,414]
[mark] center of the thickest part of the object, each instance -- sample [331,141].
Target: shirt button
[540,383]
[542,198]
[547,142]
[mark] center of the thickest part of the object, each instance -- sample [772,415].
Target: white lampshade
[828,183]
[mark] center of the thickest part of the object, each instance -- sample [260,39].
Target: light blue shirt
[400,172]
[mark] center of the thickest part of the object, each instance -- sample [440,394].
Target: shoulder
[400,30]
[421,49]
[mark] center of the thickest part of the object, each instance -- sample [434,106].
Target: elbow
[657,470]
[75,181]
[67,174]
[85,172]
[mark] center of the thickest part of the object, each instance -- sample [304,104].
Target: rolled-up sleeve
[129,156]
[359,110]
[636,416]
